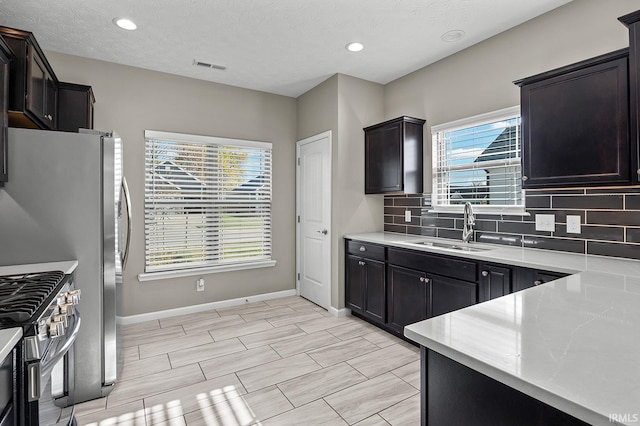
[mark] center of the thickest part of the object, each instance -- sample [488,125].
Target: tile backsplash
[609,217]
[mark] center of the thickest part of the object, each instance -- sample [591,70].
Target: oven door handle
[47,367]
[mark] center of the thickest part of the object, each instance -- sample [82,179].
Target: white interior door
[313,236]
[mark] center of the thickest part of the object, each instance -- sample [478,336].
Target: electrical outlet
[546,222]
[200,284]
[407,215]
[573,224]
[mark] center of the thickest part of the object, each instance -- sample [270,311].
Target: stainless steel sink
[452,246]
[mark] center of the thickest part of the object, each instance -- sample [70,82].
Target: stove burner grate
[21,295]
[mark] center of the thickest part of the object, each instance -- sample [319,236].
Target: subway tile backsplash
[609,217]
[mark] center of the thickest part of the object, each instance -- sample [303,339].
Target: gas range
[44,305]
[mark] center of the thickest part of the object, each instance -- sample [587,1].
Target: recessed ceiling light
[354,47]
[125,24]
[453,35]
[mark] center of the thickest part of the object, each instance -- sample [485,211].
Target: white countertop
[8,339]
[549,260]
[65,266]
[573,343]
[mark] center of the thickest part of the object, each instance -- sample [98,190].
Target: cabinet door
[354,284]
[527,278]
[51,101]
[375,298]
[383,159]
[75,107]
[40,90]
[448,294]
[575,127]
[4,107]
[495,281]
[406,297]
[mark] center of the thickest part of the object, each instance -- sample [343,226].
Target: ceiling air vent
[208,65]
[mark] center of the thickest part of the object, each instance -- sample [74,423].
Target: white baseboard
[343,312]
[133,319]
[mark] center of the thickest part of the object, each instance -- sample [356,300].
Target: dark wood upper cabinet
[5,60]
[75,107]
[575,124]
[393,156]
[33,84]
[632,21]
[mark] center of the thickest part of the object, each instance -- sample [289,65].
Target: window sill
[163,275]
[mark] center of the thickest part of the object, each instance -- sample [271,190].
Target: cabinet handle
[361,263]
[538,282]
[423,279]
[524,178]
[485,273]
[363,248]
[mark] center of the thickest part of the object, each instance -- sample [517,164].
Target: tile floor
[279,362]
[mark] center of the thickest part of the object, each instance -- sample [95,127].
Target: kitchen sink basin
[452,246]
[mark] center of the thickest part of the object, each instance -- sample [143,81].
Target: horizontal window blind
[477,160]
[207,201]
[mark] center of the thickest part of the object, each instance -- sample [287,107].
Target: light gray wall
[130,100]
[479,78]
[360,104]
[345,105]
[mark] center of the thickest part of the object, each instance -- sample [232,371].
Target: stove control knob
[61,319]
[56,329]
[73,296]
[62,298]
[66,309]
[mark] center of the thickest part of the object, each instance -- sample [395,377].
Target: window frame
[151,273]
[477,120]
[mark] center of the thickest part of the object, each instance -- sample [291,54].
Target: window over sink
[477,160]
[207,203]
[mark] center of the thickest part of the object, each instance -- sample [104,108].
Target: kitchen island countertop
[571,343]
[9,337]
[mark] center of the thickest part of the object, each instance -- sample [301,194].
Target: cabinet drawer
[370,251]
[440,265]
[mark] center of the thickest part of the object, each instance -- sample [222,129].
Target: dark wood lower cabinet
[455,395]
[392,287]
[527,278]
[448,294]
[406,297]
[354,284]
[365,287]
[495,281]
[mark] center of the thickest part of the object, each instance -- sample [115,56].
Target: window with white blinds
[478,160]
[207,201]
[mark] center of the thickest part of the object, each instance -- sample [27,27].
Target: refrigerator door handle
[127,199]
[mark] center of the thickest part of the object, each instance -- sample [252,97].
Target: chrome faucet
[469,221]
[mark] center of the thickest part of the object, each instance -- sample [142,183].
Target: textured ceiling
[277,46]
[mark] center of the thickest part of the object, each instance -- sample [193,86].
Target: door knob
[323,232]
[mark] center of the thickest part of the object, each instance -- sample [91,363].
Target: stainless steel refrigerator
[66,198]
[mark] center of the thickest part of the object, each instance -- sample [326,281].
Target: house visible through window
[207,201]
[478,160]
